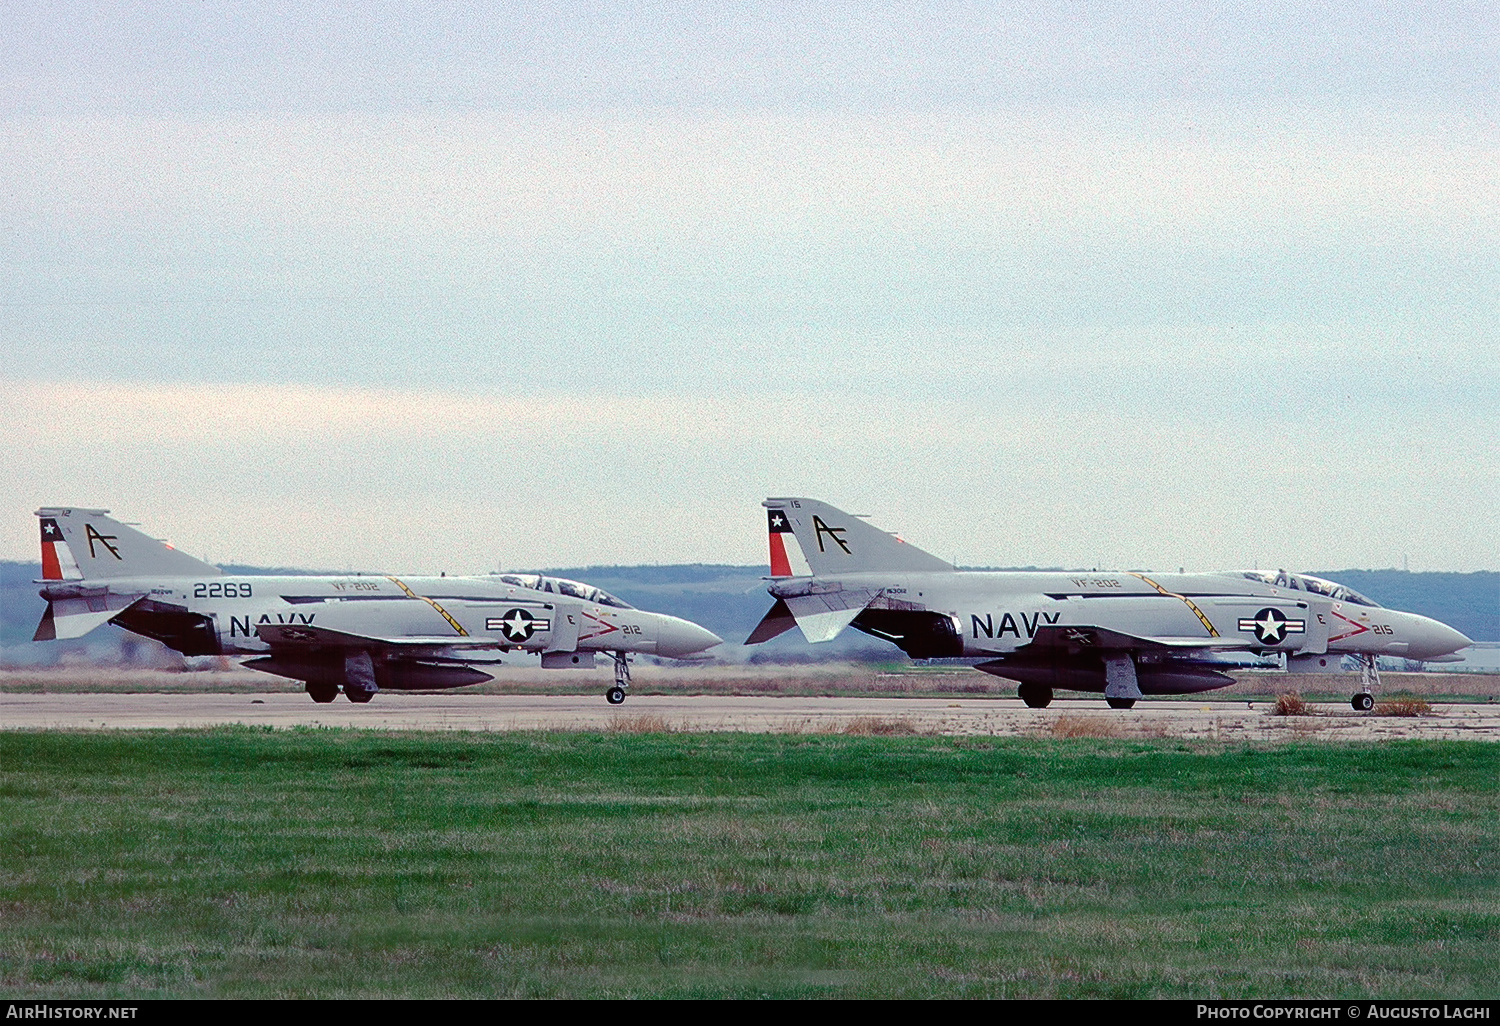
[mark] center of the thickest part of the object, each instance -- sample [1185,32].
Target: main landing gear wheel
[1035,695]
[322,693]
[359,695]
[1363,702]
[615,696]
[1121,703]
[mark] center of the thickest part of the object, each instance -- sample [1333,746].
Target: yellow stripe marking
[1212,633]
[451,622]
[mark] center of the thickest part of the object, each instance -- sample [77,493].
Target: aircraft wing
[1077,639]
[306,636]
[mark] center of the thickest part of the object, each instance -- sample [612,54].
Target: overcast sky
[422,287]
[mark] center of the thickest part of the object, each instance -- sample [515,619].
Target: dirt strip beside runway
[1210,720]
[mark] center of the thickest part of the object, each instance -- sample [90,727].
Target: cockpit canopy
[562,586]
[1308,583]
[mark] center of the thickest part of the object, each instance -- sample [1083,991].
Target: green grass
[242,862]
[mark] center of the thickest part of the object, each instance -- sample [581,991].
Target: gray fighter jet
[357,632]
[1123,634]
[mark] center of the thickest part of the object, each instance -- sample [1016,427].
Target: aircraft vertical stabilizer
[101,547]
[835,542]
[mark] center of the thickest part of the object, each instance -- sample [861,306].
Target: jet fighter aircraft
[1123,634]
[357,632]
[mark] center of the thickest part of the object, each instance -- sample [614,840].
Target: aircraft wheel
[1121,703]
[1035,696]
[359,695]
[1363,702]
[322,692]
[615,696]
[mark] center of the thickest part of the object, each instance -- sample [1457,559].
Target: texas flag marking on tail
[786,555]
[57,562]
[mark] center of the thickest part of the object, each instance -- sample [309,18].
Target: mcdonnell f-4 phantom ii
[1123,634]
[357,632]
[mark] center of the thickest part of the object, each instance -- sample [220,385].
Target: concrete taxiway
[999,717]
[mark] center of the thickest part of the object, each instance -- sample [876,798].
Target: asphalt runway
[997,717]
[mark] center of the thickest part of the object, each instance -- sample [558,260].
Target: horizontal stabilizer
[822,617]
[819,627]
[74,617]
[777,621]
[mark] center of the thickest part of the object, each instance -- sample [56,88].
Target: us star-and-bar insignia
[1271,626]
[517,625]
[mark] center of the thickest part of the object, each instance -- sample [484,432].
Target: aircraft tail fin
[835,542]
[89,545]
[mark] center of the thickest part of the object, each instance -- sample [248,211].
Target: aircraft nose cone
[1436,639]
[677,638]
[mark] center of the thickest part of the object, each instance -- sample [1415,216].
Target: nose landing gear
[1369,680]
[616,694]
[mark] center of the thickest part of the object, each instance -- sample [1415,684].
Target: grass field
[243,862]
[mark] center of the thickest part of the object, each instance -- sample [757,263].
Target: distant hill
[730,600]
